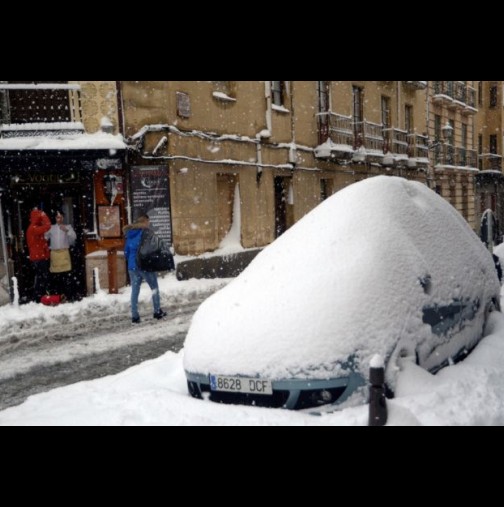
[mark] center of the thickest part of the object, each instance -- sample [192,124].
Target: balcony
[455,95]
[415,85]
[400,142]
[449,155]
[470,105]
[336,136]
[443,92]
[418,150]
[46,108]
[370,136]
[490,162]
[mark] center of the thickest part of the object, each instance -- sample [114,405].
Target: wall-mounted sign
[150,193]
[45,178]
[183,105]
[109,221]
[109,163]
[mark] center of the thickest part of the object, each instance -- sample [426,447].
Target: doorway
[284,215]
[68,198]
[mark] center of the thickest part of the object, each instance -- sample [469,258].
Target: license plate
[240,385]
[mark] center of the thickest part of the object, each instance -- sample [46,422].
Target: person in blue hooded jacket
[133,234]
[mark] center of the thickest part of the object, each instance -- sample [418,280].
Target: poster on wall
[109,221]
[150,192]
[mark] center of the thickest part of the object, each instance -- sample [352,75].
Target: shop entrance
[47,197]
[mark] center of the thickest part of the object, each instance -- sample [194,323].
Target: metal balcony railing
[343,131]
[418,146]
[455,94]
[490,162]
[447,154]
[336,127]
[400,142]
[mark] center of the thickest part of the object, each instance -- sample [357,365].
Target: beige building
[287,144]
[451,127]
[490,130]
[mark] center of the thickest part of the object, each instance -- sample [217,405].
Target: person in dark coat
[39,251]
[133,234]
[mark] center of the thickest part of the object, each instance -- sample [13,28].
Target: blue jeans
[136,278]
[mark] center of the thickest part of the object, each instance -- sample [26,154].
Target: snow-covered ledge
[222,96]
[280,109]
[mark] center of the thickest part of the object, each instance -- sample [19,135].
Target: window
[326,189]
[358,113]
[493,95]
[385,112]
[480,93]
[323,88]
[437,127]
[386,121]
[463,151]
[278,92]
[480,151]
[408,118]
[323,96]
[493,143]
[453,193]
[465,200]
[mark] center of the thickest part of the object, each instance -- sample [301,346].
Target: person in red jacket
[39,251]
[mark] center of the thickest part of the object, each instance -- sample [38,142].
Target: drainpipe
[267,91]
[120,108]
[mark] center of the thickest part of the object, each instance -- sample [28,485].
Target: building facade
[193,153]
[451,127]
[490,130]
[288,145]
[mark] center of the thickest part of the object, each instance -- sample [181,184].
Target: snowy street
[155,391]
[62,345]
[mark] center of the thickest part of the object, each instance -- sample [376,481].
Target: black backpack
[154,254]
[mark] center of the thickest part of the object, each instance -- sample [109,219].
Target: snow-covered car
[385,266]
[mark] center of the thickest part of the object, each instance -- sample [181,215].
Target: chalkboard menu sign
[150,191]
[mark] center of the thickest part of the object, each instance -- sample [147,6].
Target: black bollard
[377,401]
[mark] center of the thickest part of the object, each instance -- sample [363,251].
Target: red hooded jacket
[37,244]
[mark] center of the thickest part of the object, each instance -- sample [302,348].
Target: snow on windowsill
[222,96]
[280,109]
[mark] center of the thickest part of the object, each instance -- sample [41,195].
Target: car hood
[346,281]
